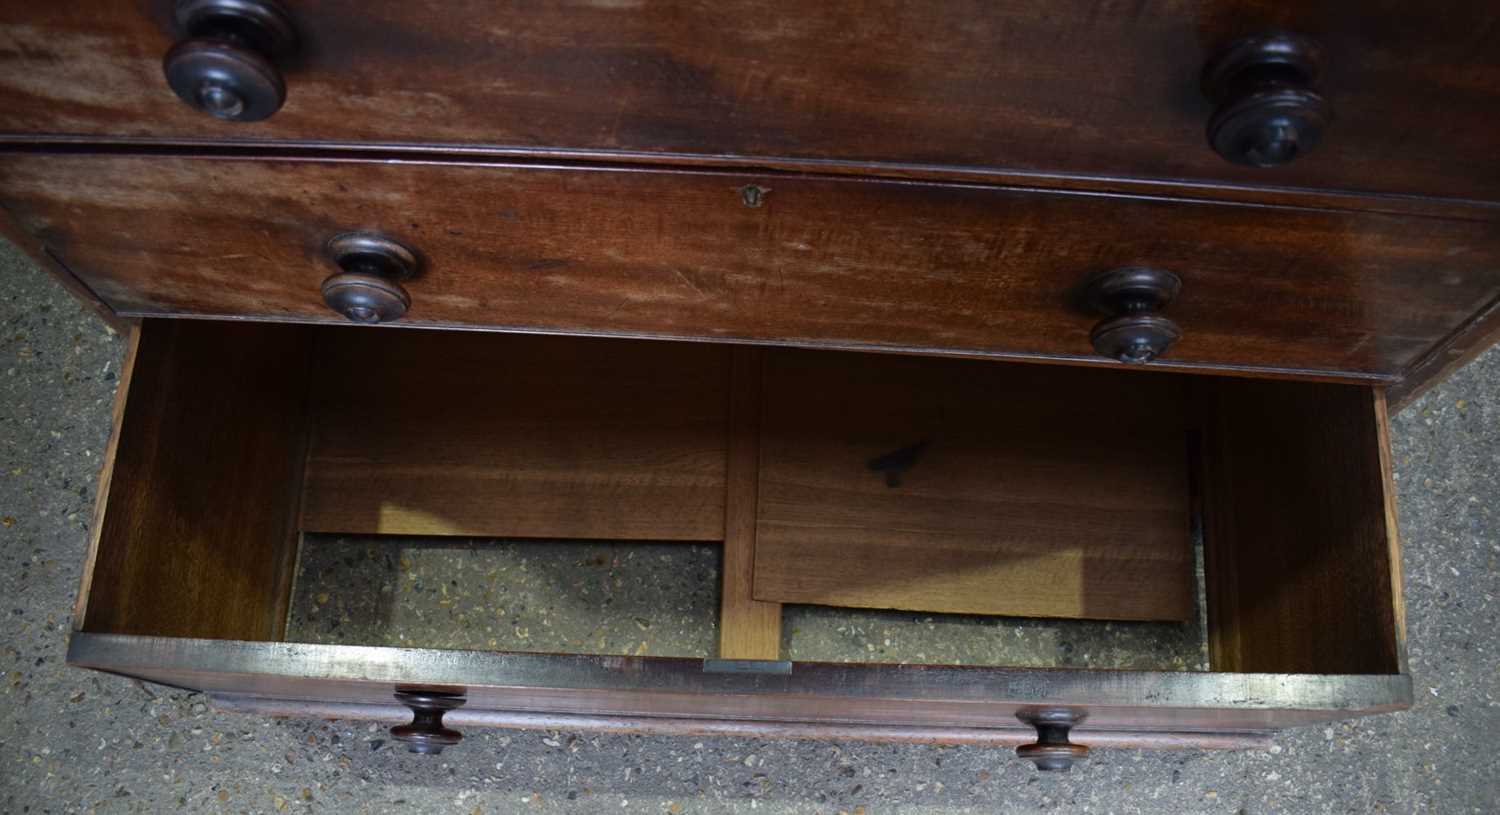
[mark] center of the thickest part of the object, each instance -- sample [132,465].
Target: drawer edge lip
[1362,378]
[141,655]
[1009,736]
[1166,188]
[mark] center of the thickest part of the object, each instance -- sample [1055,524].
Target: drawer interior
[789,492]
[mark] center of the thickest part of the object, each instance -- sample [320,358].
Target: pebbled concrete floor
[76,741]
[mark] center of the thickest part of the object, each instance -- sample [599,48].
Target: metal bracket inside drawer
[770,667]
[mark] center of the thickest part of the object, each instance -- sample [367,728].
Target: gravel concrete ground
[76,741]
[658,599]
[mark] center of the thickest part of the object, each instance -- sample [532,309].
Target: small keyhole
[753,196]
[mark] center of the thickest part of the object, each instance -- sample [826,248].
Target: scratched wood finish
[832,262]
[923,695]
[1299,529]
[446,433]
[971,487]
[11,230]
[197,535]
[466,717]
[1458,350]
[1058,87]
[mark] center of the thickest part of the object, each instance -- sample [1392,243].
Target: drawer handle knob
[367,290]
[1131,298]
[426,733]
[1269,110]
[1052,751]
[225,63]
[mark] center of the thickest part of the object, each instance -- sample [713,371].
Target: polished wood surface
[831,262]
[748,628]
[970,487]
[444,433]
[32,247]
[666,726]
[1059,87]
[198,537]
[924,695]
[1459,349]
[1299,533]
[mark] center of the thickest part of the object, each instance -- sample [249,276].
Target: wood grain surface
[11,230]
[106,475]
[748,628]
[466,717]
[1299,536]
[924,695]
[1059,87]
[198,535]
[831,262]
[970,487]
[454,433]
[1460,348]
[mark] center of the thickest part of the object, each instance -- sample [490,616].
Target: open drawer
[935,486]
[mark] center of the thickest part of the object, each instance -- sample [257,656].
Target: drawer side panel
[1303,570]
[198,537]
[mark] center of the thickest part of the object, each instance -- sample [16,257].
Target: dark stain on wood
[897,462]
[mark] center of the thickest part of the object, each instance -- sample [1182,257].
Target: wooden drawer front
[820,261]
[897,696]
[1060,86]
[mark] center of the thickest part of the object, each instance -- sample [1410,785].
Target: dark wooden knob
[225,62]
[426,733]
[1130,298]
[1269,110]
[1052,751]
[367,289]
[365,298]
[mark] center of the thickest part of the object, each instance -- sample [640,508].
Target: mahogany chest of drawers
[996,308]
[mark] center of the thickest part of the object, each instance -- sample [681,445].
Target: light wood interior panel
[748,628]
[971,487]
[197,535]
[1299,529]
[446,433]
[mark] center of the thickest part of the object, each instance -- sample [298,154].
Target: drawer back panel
[446,433]
[970,487]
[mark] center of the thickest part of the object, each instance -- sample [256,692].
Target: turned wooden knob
[1269,110]
[426,733]
[367,289]
[1131,298]
[225,63]
[1052,751]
